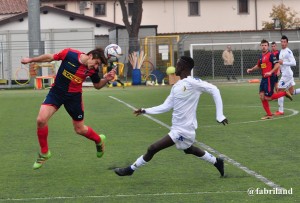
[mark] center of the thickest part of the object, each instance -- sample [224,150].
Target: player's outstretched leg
[220,166]
[163,143]
[124,171]
[289,95]
[128,171]
[206,156]
[42,158]
[266,107]
[296,91]
[100,146]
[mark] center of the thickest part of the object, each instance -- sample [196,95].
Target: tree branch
[125,16]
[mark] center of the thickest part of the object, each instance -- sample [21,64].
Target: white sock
[138,163]
[297,91]
[280,104]
[209,158]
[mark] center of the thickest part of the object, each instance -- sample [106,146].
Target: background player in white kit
[183,99]
[286,82]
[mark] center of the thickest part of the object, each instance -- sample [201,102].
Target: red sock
[278,95]
[42,134]
[266,106]
[92,135]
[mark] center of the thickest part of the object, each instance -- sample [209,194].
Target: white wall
[215,15]
[56,21]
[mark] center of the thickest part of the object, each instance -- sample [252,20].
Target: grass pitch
[75,174]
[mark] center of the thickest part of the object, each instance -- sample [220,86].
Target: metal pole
[2,70]
[34,31]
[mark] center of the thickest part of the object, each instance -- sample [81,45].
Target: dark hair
[98,53]
[285,37]
[187,62]
[264,41]
[273,43]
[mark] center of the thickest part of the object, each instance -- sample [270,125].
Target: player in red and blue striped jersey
[268,63]
[275,52]
[75,67]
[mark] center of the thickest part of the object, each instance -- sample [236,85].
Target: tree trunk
[133,28]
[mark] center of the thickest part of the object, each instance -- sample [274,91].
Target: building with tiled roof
[12,7]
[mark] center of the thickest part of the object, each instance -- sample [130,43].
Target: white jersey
[286,55]
[184,98]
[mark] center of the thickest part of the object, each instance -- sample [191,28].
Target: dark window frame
[194,10]
[243,6]
[99,13]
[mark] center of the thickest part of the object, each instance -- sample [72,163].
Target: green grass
[75,174]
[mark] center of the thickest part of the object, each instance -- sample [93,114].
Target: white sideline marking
[120,195]
[294,113]
[210,149]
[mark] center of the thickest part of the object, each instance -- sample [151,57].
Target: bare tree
[133,28]
[286,16]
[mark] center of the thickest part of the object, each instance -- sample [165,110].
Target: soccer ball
[112,52]
[170,70]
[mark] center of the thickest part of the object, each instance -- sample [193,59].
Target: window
[100,9]
[130,9]
[194,8]
[243,6]
[61,6]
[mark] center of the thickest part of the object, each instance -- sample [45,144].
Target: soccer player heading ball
[183,99]
[67,91]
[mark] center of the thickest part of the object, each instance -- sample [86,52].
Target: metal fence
[210,64]
[207,49]
[162,50]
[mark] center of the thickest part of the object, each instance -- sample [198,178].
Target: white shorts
[182,138]
[286,82]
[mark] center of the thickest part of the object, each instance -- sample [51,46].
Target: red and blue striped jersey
[266,62]
[72,73]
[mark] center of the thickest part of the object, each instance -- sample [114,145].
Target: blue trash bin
[136,77]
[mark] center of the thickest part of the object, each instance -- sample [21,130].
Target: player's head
[284,41]
[264,44]
[184,64]
[274,46]
[96,58]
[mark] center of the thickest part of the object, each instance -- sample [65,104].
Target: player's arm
[166,106]
[101,83]
[211,89]
[215,93]
[41,58]
[256,67]
[275,69]
[291,61]
[108,77]
[274,61]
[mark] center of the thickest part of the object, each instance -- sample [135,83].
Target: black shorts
[71,101]
[276,79]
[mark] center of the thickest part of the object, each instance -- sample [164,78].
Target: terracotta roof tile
[12,6]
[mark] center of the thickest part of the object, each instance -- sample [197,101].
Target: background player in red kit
[268,63]
[275,52]
[67,91]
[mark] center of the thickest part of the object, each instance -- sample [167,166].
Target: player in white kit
[286,82]
[183,99]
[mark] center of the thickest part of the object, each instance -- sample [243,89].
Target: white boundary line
[121,195]
[210,149]
[294,113]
